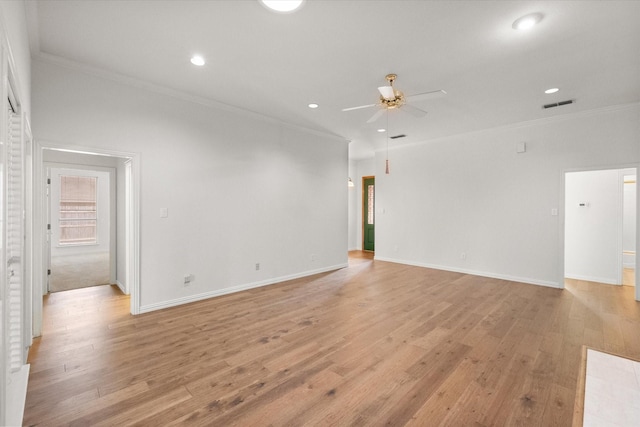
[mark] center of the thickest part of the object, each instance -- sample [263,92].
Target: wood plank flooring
[373,344]
[629,276]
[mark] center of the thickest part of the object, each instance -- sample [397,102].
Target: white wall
[629,221]
[472,196]
[353,206]
[593,225]
[239,190]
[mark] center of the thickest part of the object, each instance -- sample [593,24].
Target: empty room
[318,212]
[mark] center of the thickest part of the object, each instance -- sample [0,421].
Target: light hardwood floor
[372,344]
[629,276]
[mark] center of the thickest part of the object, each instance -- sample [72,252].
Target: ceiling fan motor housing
[393,103]
[398,98]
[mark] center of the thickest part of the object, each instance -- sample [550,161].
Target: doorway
[368,213]
[127,238]
[600,232]
[629,229]
[82,226]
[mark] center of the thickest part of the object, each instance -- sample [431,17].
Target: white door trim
[40,222]
[562,217]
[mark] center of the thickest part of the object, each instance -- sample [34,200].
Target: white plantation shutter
[15,297]
[15,240]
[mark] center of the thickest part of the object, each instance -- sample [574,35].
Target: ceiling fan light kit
[389,97]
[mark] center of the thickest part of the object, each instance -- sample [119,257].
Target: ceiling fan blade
[416,112]
[359,107]
[387,92]
[426,95]
[377,115]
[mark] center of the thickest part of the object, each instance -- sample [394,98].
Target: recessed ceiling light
[382,130]
[552,90]
[527,22]
[197,60]
[313,105]
[282,6]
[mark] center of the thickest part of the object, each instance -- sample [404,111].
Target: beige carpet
[79,271]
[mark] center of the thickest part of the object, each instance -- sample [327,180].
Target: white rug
[612,391]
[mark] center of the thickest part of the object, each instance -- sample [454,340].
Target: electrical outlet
[463,256]
[188,278]
[312,257]
[257,266]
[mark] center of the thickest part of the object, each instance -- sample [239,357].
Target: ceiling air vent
[402,135]
[559,104]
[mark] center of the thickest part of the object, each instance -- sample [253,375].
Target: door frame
[562,221]
[363,219]
[132,219]
[112,185]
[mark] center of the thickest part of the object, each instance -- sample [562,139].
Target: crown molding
[523,124]
[173,93]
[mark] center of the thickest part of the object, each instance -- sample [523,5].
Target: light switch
[164,212]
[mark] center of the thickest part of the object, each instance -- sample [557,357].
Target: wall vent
[559,104]
[402,135]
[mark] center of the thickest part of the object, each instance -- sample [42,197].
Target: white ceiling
[336,53]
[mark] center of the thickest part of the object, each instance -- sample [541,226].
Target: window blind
[78,210]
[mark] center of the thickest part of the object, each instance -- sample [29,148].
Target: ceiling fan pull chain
[386,170]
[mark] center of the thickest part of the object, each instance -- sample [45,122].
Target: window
[78,210]
[371,206]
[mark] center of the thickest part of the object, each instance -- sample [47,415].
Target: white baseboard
[233,289]
[607,280]
[122,287]
[492,275]
[631,265]
[16,396]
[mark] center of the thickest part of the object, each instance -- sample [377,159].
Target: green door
[369,213]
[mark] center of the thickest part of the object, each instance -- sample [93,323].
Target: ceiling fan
[391,98]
